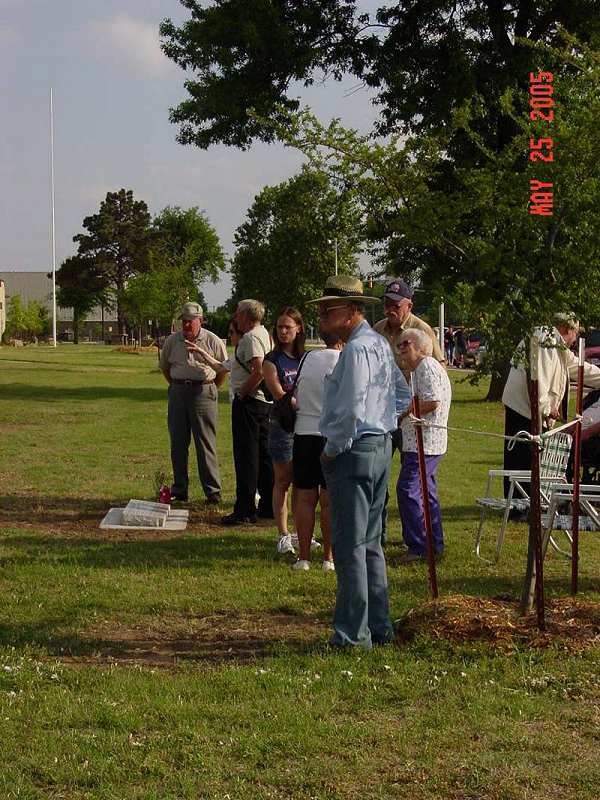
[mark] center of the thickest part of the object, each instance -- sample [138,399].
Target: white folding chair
[555,520]
[553,466]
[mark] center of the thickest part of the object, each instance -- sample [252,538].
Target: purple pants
[410,503]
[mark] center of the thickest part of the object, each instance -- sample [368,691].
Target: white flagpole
[53,222]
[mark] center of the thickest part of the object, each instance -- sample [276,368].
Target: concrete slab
[176,520]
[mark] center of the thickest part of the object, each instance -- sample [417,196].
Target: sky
[112,90]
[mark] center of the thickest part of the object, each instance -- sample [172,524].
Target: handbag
[283,410]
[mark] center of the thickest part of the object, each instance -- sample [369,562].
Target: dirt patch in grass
[571,623]
[81,517]
[217,638]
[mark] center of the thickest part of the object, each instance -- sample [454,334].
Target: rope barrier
[520,436]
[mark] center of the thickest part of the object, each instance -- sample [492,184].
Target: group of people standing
[348,399]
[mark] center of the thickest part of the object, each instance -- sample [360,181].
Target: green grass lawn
[195,665]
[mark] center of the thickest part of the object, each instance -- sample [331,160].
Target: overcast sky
[112,92]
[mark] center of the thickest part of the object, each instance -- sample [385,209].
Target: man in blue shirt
[363,397]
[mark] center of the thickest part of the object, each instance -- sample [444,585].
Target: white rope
[520,436]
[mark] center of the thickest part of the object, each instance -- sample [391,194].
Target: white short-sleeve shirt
[430,382]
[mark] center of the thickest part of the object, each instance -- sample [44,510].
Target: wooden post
[576,475]
[426,508]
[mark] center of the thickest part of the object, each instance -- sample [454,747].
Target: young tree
[286,247]
[26,322]
[117,241]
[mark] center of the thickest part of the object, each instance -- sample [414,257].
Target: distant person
[460,348]
[363,396]
[279,370]
[193,395]
[310,486]
[250,412]
[557,365]
[430,383]
[449,344]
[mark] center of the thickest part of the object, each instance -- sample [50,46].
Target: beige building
[38,286]
[2,309]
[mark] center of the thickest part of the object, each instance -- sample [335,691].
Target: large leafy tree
[475,232]
[82,286]
[286,246]
[117,240]
[424,58]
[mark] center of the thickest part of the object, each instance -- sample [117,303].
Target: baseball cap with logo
[191,311]
[398,290]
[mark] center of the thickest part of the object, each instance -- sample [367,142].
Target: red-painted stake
[426,508]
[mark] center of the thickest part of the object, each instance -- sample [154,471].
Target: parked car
[592,347]
[476,348]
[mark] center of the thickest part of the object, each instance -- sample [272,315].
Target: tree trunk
[76,322]
[499,376]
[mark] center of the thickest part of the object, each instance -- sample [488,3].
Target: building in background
[2,309]
[99,325]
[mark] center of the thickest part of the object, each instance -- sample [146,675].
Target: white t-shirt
[430,382]
[310,388]
[256,342]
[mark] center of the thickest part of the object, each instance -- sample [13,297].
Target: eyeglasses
[406,343]
[324,312]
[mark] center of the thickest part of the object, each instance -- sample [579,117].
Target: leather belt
[182,382]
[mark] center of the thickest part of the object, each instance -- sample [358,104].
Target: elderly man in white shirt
[557,365]
[431,385]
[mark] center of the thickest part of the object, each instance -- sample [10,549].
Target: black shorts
[306,462]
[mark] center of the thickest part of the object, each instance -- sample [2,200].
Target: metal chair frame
[553,467]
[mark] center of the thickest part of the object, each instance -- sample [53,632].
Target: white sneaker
[284,545]
[301,565]
[328,566]
[314,545]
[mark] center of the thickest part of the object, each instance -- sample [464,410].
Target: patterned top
[430,382]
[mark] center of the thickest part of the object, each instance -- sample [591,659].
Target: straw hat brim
[357,298]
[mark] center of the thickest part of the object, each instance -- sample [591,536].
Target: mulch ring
[571,623]
[216,638]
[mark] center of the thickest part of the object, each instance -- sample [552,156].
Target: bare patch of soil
[218,638]
[80,517]
[571,623]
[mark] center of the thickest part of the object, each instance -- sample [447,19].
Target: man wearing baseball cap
[193,394]
[397,307]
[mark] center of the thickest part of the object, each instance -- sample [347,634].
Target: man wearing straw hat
[363,397]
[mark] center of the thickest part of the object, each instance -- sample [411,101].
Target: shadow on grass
[185,551]
[48,394]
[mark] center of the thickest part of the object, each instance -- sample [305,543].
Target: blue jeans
[410,503]
[357,482]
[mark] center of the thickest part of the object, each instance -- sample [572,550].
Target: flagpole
[53,221]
